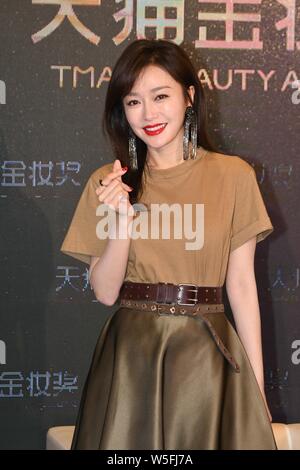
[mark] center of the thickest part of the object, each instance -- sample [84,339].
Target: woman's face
[155,108]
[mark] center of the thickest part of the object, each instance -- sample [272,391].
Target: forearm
[108,273]
[245,308]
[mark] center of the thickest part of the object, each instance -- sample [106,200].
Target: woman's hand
[115,192]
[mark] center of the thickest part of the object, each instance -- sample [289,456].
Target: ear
[191,92]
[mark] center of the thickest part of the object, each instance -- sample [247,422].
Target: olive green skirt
[160,382]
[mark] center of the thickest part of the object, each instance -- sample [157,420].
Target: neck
[165,158]
[164,162]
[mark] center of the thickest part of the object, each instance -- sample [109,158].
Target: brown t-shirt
[233,212]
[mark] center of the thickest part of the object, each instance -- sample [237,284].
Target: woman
[169,371]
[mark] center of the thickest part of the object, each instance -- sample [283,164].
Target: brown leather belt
[172,300]
[167,293]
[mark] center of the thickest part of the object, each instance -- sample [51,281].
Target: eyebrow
[153,89]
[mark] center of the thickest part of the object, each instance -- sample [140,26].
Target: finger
[117,165]
[123,205]
[105,191]
[102,187]
[120,202]
[109,178]
[114,174]
[116,168]
[115,192]
[127,187]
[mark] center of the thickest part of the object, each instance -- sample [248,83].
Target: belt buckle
[194,288]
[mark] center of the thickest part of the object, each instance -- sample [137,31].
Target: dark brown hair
[138,55]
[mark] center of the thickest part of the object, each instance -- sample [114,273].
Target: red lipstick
[155,129]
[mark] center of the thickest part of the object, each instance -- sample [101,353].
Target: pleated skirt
[160,382]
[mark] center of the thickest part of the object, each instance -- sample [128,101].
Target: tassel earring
[132,150]
[190,122]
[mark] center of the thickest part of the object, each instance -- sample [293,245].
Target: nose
[150,111]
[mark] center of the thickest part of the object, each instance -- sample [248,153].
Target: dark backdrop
[53,83]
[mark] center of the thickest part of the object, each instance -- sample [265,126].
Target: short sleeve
[250,216]
[81,240]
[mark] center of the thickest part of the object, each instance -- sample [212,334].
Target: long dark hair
[138,55]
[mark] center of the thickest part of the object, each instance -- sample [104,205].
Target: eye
[131,101]
[158,96]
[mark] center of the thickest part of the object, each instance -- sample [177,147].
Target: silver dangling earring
[132,150]
[190,121]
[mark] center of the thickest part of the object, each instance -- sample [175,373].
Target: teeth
[154,128]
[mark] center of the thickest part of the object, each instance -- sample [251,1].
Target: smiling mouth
[154,130]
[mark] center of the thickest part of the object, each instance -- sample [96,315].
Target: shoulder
[233,165]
